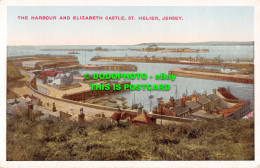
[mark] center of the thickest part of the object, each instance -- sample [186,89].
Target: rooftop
[45,74]
[204,114]
[193,104]
[226,94]
[180,110]
[229,111]
[203,100]
[213,97]
[33,61]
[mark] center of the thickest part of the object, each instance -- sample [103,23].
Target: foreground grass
[30,139]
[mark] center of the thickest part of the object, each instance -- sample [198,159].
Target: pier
[208,74]
[153,59]
[113,67]
[84,95]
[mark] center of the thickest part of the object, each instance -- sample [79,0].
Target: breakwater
[204,74]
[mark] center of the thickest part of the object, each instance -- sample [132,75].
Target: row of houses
[56,77]
[32,104]
[219,104]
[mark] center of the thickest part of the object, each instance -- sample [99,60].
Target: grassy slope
[29,139]
[12,72]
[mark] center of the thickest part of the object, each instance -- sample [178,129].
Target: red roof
[126,115]
[168,112]
[228,111]
[143,119]
[226,94]
[116,116]
[45,74]
[31,97]
[25,96]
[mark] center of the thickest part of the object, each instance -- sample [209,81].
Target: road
[71,108]
[22,87]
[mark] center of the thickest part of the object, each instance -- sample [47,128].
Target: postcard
[168,84]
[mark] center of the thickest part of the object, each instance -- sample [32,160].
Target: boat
[112,101]
[124,103]
[135,106]
[73,52]
[121,98]
[160,98]
[151,96]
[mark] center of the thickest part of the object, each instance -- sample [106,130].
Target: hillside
[12,73]
[30,139]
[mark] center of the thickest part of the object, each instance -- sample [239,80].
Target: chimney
[214,91]
[182,102]
[53,107]
[140,109]
[194,94]
[160,107]
[171,101]
[81,117]
[184,97]
[30,107]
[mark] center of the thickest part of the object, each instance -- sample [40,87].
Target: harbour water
[184,85]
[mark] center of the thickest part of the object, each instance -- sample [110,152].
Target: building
[31,64]
[62,79]
[143,118]
[180,111]
[13,108]
[228,70]
[204,115]
[237,111]
[152,47]
[22,104]
[62,63]
[32,99]
[193,106]
[56,77]
[67,79]
[220,104]
[48,76]
[78,79]
[205,103]
[214,101]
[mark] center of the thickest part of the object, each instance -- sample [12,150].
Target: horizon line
[129,44]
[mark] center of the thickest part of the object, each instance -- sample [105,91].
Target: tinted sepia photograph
[130,83]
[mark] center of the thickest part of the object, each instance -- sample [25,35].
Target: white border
[199,164]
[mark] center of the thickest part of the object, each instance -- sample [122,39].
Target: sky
[199,24]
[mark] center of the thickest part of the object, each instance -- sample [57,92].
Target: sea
[180,86]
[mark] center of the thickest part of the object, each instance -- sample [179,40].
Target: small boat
[104,104]
[124,107]
[159,98]
[135,106]
[73,52]
[104,98]
[124,103]
[151,96]
[112,101]
[121,98]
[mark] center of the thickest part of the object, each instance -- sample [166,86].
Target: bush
[30,139]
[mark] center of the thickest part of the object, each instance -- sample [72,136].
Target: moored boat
[73,52]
